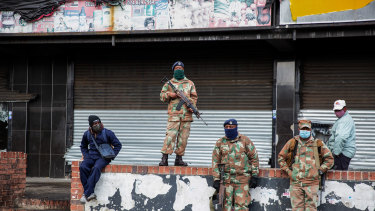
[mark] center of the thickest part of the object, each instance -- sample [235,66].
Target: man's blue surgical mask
[304,133]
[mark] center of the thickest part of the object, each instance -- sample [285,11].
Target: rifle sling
[316,156]
[294,152]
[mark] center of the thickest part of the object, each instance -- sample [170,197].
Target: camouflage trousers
[304,198]
[236,195]
[174,129]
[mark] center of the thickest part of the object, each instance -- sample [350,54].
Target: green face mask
[178,74]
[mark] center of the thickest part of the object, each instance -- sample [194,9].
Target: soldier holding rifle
[179,115]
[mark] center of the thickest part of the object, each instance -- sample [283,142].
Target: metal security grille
[142,133]
[365,142]
[350,78]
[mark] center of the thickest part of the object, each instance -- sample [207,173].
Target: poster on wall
[333,11]
[131,15]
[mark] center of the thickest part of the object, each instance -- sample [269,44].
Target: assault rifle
[219,205]
[184,100]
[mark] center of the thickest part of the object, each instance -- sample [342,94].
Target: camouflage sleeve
[253,158]
[216,159]
[193,94]
[164,97]
[327,159]
[282,157]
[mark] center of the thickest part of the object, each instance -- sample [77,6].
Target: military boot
[179,161]
[164,160]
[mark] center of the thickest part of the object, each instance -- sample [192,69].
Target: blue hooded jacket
[88,147]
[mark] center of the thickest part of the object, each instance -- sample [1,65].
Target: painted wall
[123,187]
[85,16]
[332,11]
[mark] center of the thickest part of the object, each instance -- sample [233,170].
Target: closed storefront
[124,93]
[351,78]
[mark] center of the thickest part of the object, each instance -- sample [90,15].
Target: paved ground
[44,188]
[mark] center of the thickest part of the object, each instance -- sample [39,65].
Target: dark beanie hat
[92,119]
[178,63]
[230,122]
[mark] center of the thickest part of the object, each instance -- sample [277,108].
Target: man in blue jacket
[342,141]
[92,165]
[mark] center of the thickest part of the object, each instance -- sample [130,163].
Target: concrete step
[42,193]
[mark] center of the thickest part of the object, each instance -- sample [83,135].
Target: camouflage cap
[304,123]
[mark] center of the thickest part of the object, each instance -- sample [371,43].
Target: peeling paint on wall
[125,191]
[265,196]
[193,190]
[109,183]
[362,197]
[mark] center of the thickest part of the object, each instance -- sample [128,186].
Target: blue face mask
[304,133]
[231,133]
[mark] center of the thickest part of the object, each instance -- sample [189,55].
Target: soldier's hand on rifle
[191,110]
[216,185]
[320,172]
[172,95]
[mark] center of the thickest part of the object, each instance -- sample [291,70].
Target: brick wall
[12,177]
[331,175]
[268,176]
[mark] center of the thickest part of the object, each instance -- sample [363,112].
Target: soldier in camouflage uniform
[241,161]
[304,173]
[179,122]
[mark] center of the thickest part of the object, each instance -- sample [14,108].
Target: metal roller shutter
[125,94]
[232,84]
[351,79]
[326,80]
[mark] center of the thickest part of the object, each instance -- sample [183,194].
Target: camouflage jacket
[188,87]
[240,158]
[304,169]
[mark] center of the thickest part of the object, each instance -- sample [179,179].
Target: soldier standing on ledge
[178,126]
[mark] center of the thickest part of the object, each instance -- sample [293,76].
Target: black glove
[253,182]
[320,172]
[216,185]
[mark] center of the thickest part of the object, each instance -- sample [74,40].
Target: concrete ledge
[125,187]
